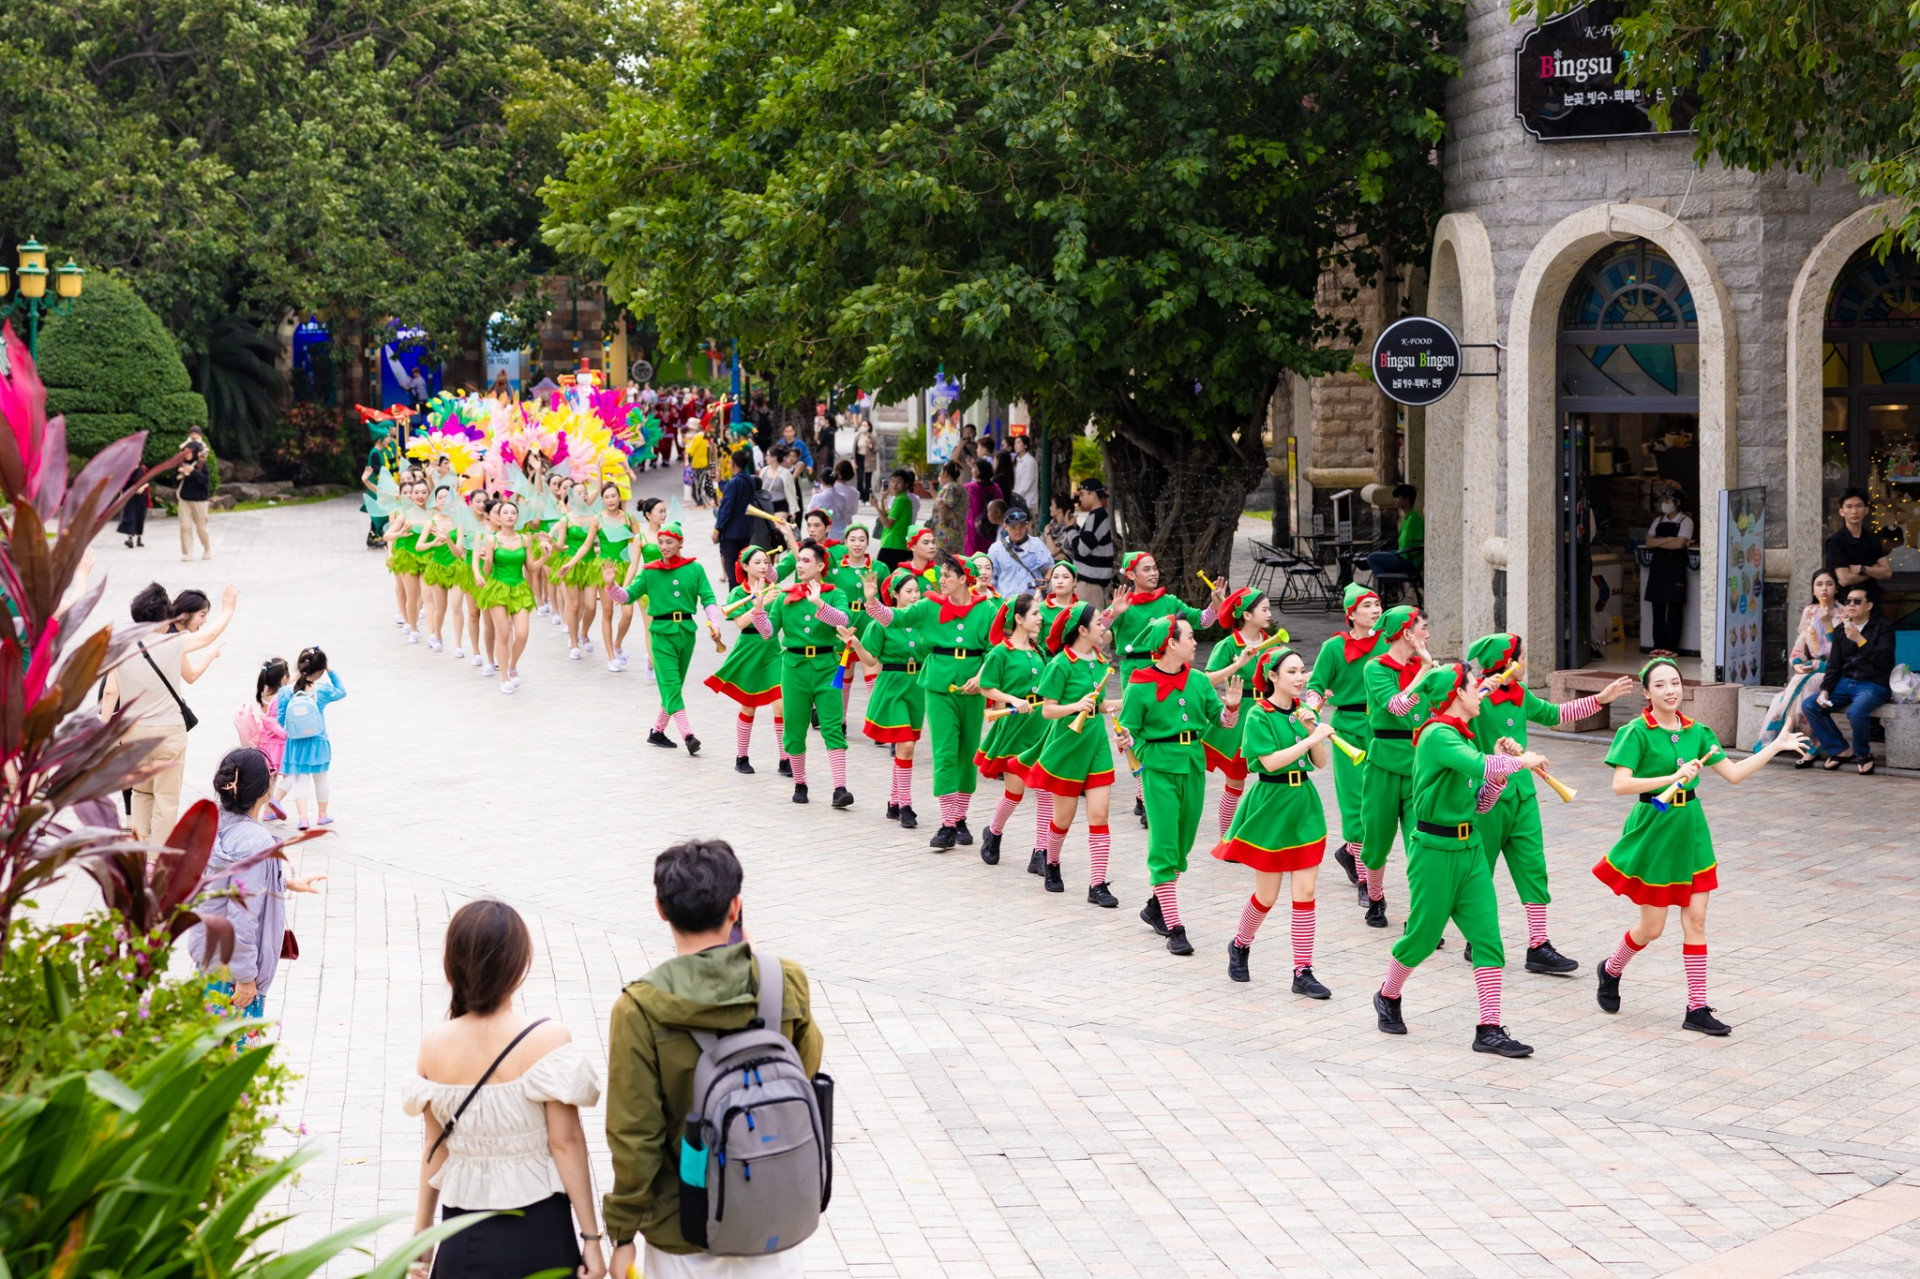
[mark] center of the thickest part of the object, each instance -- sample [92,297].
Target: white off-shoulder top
[497,1156]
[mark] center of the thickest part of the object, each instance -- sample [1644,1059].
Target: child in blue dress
[302,713]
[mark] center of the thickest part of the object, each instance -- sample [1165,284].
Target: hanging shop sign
[1570,81]
[1416,360]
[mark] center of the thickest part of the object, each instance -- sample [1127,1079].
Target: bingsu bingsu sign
[1416,360]
[1570,81]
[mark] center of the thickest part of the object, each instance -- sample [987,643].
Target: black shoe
[1808,760]
[1140,809]
[1305,983]
[814,720]
[1703,1020]
[1609,992]
[1052,875]
[1237,957]
[908,818]
[741,764]
[1345,862]
[1466,951]
[990,848]
[1495,1039]
[786,768]
[1150,916]
[1360,892]
[1387,1011]
[799,792]
[692,744]
[1545,959]
[1037,863]
[942,840]
[842,797]
[129,544]
[893,812]
[1177,943]
[1100,895]
[961,834]
[1377,913]
[658,738]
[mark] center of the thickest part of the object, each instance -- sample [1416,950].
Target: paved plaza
[1028,1085]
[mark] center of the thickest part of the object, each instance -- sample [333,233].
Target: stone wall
[1353,423]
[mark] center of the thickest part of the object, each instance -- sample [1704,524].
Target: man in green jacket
[710,984]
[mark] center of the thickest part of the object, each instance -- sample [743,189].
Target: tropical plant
[310,445]
[111,370]
[101,1175]
[238,374]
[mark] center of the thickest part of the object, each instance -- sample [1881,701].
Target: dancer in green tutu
[500,565]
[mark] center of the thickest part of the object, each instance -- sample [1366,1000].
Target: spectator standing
[1026,473]
[840,500]
[1088,542]
[500,1095]
[1005,469]
[732,526]
[865,452]
[893,512]
[711,984]
[1666,593]
[302,714]
[698,450]
[133,513]
[1857,554]
[1021,561]
[1858,681]
[980,492]
[257,908]
[195,474]
[825,447]
[949,521]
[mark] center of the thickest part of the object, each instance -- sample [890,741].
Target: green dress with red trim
[1222,745]
[1281,825]
[1663,858]
[1050,610]
[1015,671]
[896,705]
[851,579]
[750,672]
[1067,762]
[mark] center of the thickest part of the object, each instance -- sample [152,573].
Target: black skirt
[133,516]
[542,1237]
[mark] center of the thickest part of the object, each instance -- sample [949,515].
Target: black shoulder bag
[446,1129]
[186,712]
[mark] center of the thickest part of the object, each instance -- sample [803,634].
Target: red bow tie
[950,611]
[1164,685]
[1513,693]
[1355,649]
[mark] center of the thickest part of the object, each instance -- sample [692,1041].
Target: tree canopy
[1811,87]
[1113,212]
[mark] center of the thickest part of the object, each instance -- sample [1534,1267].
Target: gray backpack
[756,1163]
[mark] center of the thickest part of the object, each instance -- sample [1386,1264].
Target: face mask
[1666,508]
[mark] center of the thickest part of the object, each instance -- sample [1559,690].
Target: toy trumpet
[1664,799]
[741,605]
[1079,721]
[1348,749]
[759,514]
[997,712]
[1560,788]
[1211,585]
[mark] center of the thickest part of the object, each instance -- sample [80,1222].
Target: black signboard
[1569,81]
[1416,360]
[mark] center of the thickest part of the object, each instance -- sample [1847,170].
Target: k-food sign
[1570,81]
[1416,360]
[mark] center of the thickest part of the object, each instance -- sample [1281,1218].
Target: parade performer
[575,573]
[1247,615]
[1512,826]
[614,534]
[750,674]
[1131,614]
[1062,594]
[1010,677]
[540,566]
[953,624]
[807,617]
[382,468]
[850,567]
[1394,710]
[1282,828]
[1073,759]
[896,704]
[678,593]
[440,575]
[409,520]
[1337,688]
[1665,855]
[1454,783]
[1164,710]
[501,567]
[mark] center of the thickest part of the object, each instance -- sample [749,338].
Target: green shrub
[911,451]
[111,362]
[1088,462]
[313,444]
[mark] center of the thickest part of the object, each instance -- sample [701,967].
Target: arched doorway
[1628,407]
[1870,392]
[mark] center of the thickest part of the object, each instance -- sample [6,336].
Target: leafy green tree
[111,368]
[1117,213]
[1788,84]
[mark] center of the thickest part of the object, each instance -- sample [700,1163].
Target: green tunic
[1343,684]
[1016,671]
[1222,744]
[1512,826]
[897,705]
[1388,773]
[1063,761]
[1662,859]
[750,672]
[404,558]
[442,565]
[1129,628]
[1173,779]
[676,592]
[1281,824]
[1447,877]
[955,637]
[810,654]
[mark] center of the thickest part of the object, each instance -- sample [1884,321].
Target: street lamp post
[31,297]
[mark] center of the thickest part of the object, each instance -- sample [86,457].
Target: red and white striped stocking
[1002,811]
[1377,883]
[742,735]
[1043,819]
[1229,800]
[660,721]
[780,735]
[1397,974]
[1626,950]
[1169,901]
[1252,915]
[1695,958]
[1303,921]
[837,765]
[1536,923]
[1099,848]
[1486,982]
[680,722]
[902,782]
[799,768]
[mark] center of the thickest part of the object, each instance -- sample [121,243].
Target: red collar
[1513,693]
[1164,685]
[1146,597]
[1404,672]
[1071,601]
[666,565]
[949,611]
[1355,649]
[1239,637]
[1459,725]
[1654,724]
[798,591]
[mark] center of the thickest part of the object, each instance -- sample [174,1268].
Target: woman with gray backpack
[309,753]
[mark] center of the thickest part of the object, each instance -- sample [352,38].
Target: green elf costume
[1014,672]
[677,593]
[1394,710]
[1512,826]
[1338,683]
[1130,626]
[896,705]
[1067,763]
[382,458]
[850,576]
[1222,744]
[750,674]
[807,617]
[1165,714]
[1454,783]
[955,636]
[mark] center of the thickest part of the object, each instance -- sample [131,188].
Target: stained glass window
[1632,286]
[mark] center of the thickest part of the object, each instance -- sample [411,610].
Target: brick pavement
[1031,1086]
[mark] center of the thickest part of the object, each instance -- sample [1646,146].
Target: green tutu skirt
[515,597]
[401,561]
[447,575]
[584,574]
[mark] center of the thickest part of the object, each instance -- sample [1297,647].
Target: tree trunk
[1180,497]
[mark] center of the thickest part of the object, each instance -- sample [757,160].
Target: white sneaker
[506,686]
[586,646]
[435,645]
[489,670]
[413,637]
[544,609]
[615,667]
[458,652]
[479,660]
[559,620]
[399,620]
[573,655]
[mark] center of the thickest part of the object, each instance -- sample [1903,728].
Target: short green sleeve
[1626,749]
